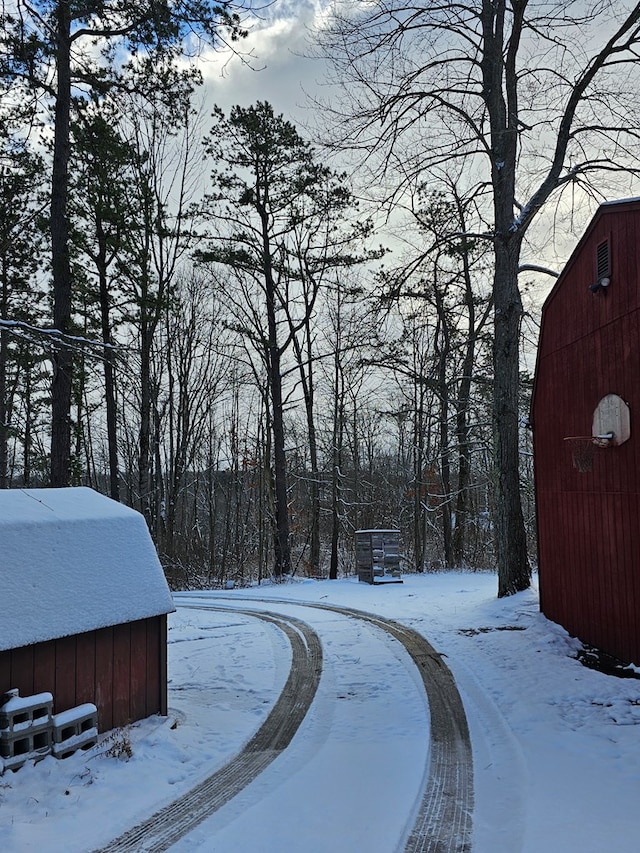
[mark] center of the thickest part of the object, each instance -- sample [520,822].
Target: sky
[281,70]
[278,69]
[555,759]
[285,74]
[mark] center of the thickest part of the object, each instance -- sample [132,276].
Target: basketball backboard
[611,421]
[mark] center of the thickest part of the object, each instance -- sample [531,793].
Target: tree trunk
[314,500]
[60,263]
[282,564]
[4,356]
[500,87]
[445,473]
[308,392]
[314,490]
[463,402]
[464,462]
[109,379]
[28,429]
[419,538]
[511,545]
[443,353]
[336,462]
[144,441]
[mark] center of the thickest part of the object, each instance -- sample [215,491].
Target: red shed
[83,604]
[586,434]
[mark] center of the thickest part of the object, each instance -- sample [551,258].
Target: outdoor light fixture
[602,284]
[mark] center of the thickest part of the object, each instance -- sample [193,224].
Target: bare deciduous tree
[530,105]
[278,218]
[59,49]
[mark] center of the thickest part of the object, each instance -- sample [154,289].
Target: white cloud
[275,65]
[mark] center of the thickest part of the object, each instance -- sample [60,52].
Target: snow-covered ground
[556,757]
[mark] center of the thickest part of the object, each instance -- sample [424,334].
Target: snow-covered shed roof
[73,560]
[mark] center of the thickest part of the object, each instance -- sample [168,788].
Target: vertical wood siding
[589,524]
[121,669]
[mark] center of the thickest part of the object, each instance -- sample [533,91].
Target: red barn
[586,433]
[83,604]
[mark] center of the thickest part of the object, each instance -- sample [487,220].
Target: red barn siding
[86,669]
[156,639]
[22,667]
[64,687]
[121,672]
[104,678]
[5,669]
[44,663]
[138,670]
[121,669]
[589,524]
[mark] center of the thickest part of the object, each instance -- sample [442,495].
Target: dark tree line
[254,386]
[223,345]
[521,101]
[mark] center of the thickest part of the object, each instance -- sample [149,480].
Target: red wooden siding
[121,669]
[138,671]
[44,663]
[589,524]
[121,672]
[64,687]
[104,677]
[22,666]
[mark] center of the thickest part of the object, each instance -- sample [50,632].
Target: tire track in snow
[443,822]
[169,824]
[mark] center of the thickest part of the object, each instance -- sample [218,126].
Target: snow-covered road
[556,763]
[443,803]
[368,726]
[162,829]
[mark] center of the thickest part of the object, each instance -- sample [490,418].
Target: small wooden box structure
[378,556]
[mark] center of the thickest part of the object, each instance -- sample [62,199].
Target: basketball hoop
[611,427]
[582,450]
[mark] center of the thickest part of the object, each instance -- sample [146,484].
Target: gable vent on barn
[603,261]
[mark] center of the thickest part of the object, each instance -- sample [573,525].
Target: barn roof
[631,200]
[72,560]
[607,208]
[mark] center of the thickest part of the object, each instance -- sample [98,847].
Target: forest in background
[385,357]
[203,319]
